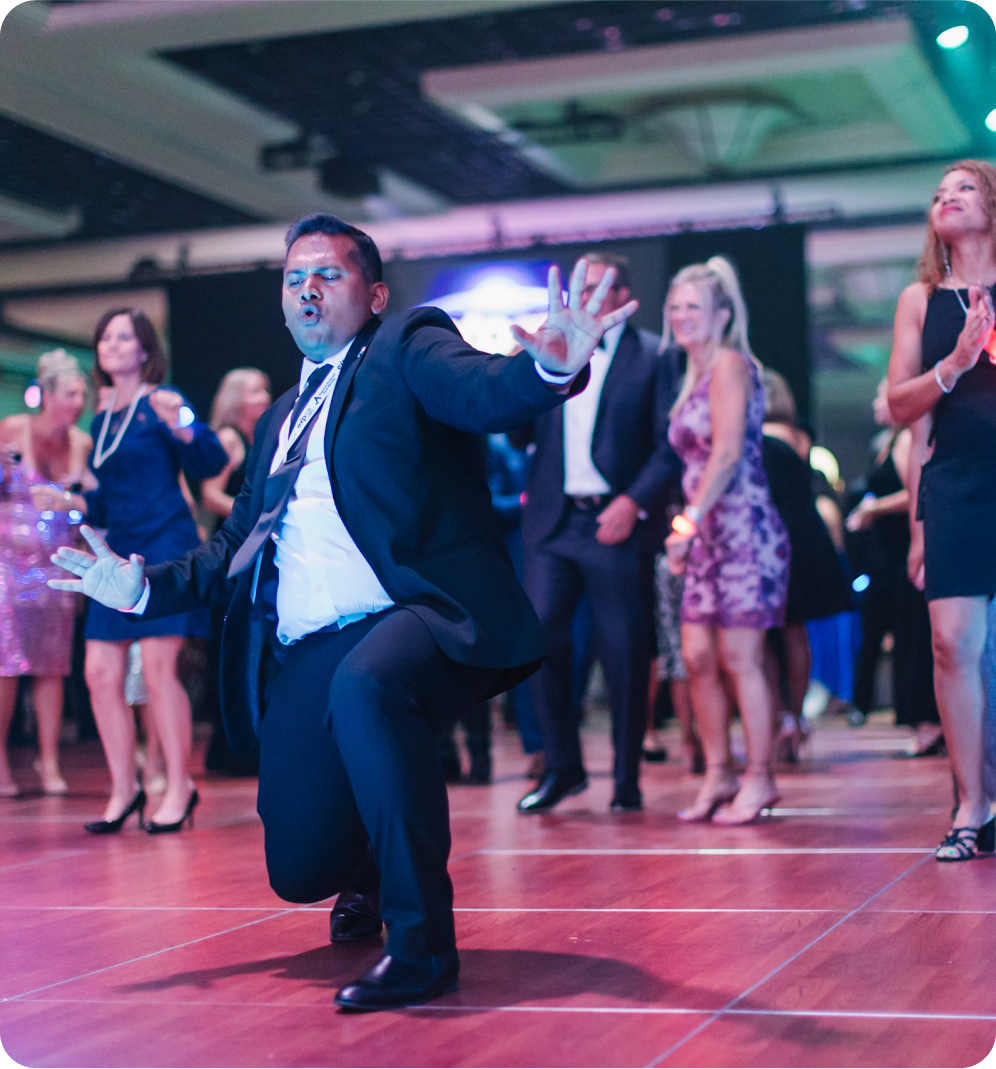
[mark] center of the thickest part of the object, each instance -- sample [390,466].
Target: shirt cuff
[556,377]
[143,601]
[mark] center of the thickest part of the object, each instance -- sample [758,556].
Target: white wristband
[938,380]
[557,378]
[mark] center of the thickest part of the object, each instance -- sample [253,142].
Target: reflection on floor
[827,936]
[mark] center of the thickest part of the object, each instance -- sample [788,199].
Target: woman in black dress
[243,396]
[942,380]
[891,603]
[817,585]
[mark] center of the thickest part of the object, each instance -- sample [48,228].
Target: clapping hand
[978,322]
[107,578]
[565,342]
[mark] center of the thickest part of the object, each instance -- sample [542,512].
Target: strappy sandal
[962,844]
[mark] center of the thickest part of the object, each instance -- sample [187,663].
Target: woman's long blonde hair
[717,281]
[932,268]
[226,408]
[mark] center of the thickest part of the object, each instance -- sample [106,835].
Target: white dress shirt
[581,477]
[324,577]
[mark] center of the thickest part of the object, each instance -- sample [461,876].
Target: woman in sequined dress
[44,465]
[729,540]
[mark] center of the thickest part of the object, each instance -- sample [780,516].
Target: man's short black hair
[611,259]
[367,254]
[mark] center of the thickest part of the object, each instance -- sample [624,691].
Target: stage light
[954,37]
[991,121]
[861,583]
[32,395]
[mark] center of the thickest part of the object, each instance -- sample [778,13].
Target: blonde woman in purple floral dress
[729,541]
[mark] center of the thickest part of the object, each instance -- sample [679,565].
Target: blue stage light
[861,583]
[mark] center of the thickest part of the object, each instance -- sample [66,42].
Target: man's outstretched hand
[565,342]
[107,578]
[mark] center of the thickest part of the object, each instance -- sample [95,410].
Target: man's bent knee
[304,882]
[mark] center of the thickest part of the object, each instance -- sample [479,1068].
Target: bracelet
[937,379]
[694,513]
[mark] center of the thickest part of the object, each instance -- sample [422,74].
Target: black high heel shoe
[962,844]
[109,827]
[188,815]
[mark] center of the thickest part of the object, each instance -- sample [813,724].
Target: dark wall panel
[218,322]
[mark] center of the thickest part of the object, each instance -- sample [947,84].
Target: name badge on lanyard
[309,410]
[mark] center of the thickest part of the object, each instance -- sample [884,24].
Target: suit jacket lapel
[282,408]
[351,363]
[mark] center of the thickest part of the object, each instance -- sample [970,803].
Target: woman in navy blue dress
[143,438]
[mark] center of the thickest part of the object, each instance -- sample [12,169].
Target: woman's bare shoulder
[913,298]
[80,438]
[14,427]
[227,436]
[232,444]
[731,365]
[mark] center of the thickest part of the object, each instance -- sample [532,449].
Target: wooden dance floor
[826,937]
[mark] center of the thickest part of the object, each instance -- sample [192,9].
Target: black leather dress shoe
[626,800]
[392,983]
[355,917]
[553,787]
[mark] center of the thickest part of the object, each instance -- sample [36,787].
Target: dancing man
[371,601]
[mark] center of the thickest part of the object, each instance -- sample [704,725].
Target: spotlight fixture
[312,150]
[953,37]
[991,121]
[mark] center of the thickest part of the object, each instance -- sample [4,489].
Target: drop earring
[947,262]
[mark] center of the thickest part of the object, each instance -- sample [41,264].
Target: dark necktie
[280,483]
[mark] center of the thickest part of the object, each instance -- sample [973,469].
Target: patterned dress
[36,623]
[737,574]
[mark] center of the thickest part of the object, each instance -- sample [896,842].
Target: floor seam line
[788,961]
[639,1010]
[43,860]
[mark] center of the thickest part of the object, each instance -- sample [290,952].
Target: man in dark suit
[592,523]
[371,601]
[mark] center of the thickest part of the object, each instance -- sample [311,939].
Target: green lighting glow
[954,37]
[991,121]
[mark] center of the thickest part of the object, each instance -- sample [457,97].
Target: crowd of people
[652,494]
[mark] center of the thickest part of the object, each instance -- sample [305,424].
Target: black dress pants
[618,581]
[348,762]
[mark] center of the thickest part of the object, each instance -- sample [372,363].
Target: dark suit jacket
[629,443]
[406,462]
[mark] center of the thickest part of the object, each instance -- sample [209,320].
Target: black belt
[590,504]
